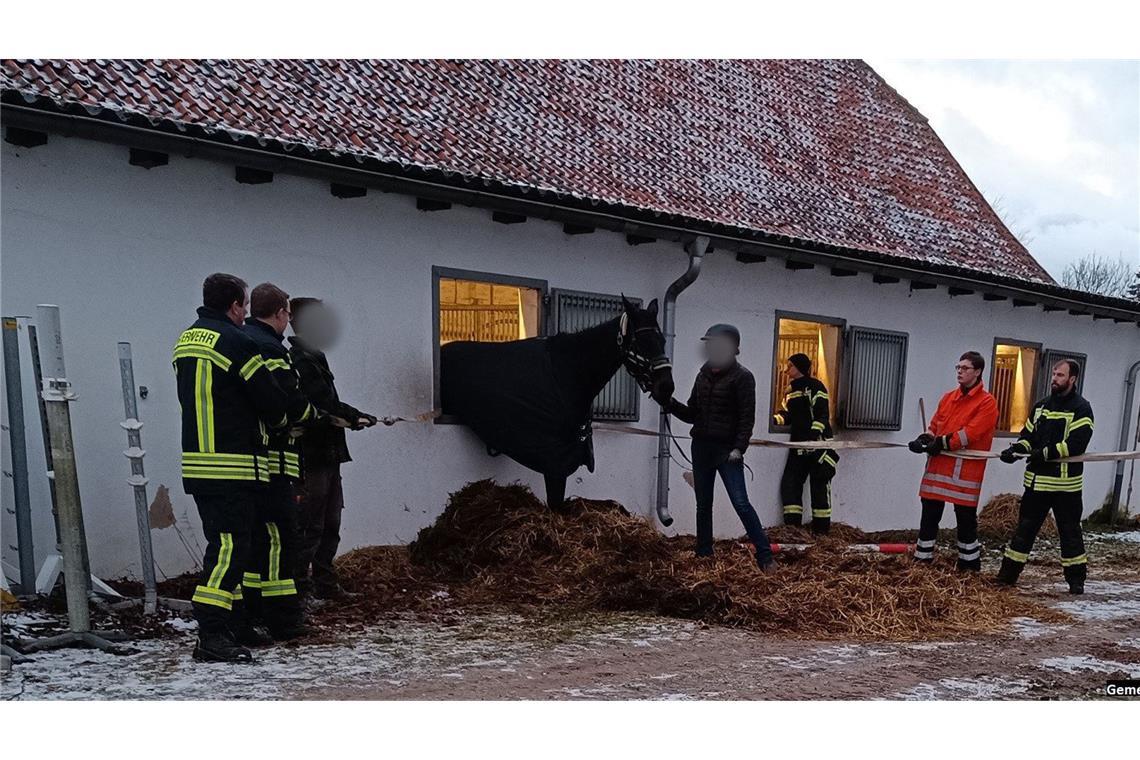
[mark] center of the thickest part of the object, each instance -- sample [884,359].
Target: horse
[530,399]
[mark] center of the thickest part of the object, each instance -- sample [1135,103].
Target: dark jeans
[710,458]
[969,548]
[321,502]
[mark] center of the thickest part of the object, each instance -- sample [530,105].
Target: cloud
[1062,219]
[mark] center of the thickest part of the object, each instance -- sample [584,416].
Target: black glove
[1037,456]
[918,445]
[935,447]
[1009,456]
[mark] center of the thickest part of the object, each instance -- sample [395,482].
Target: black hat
[723,329]
[802,362]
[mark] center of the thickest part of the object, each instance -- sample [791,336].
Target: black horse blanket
[511,396]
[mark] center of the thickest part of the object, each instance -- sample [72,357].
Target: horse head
[643,349]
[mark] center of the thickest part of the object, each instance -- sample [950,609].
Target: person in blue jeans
[722,411]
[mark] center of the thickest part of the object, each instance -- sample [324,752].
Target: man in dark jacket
[722,411]
[807,411]
[1059,426]
[323,449]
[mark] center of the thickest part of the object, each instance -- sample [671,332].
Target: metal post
[57,395]
[18,446]
[138,479]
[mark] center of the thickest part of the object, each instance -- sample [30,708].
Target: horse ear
[628,305]
[652,308]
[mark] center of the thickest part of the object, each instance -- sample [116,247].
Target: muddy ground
[488,654]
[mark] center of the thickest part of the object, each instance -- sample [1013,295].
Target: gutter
[696,250]
[1125,426]
[391,176]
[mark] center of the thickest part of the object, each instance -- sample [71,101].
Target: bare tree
[1013,220]
[1099,274]
[1134,288]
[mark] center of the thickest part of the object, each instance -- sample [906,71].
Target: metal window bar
[573,311]
[1045,373]
[876,379]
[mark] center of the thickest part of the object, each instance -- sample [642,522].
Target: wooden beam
[347,191]
[922,285]
[1018,302]
[148,159]
[1051,307]
[25,138]
[957,291]
[430,204]
[506,217]
[1078,313]
[249,176]
[885,279]
[797,265]
[994,297]
[639,239]
[840,272]
[750,258]
[577,229]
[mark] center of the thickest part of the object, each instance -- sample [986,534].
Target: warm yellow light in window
[1014,378]
[820,341]
[486,311]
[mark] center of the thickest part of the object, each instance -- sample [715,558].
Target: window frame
[845,385]
[773,403]
[1045,386]
[452,273]
[1037,346]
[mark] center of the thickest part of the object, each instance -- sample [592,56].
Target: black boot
[220,647]
[820,526]
[1009,571]
[1075,575]
[249,635]
[969,565]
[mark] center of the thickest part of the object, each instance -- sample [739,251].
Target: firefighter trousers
[1035,506]
[815,466]
[269,587]
[227,522]
[969,548]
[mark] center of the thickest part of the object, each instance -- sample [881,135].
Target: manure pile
[498,545]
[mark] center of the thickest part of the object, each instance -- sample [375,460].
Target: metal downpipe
[696,250]
[1125,426]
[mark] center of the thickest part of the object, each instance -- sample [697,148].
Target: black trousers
[818,468]
[1035,506]
[969,548]
[227,522]
[268,586]
[321,500]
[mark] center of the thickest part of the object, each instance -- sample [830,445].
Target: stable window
[485,307]
[818,337]
[1013,382]
[1050,358]
[574,311]
[875,379]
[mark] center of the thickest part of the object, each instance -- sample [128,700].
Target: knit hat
[801,362]
[728,331]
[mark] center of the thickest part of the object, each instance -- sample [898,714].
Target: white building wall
[123,251]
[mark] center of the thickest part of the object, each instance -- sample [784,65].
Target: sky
[1054,145]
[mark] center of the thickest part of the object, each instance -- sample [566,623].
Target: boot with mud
[220,647]
[1010,570]
[1075,575]
[249,635]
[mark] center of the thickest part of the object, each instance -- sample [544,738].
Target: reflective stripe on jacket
[1062,426]
[963,421]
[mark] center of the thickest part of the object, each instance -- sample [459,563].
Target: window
[1051,357]
[574,311]
[818,337]
[876,378]
[483,307]
[1013,381]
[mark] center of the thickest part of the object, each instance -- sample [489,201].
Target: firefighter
[228,401]
[722,411]
[966,418]
[806,409]
[1059,426]
[324,449]
[268,584]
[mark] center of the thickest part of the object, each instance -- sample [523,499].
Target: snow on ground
[987,687]
[1078,662]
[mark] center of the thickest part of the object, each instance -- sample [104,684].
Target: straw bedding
[498,545]
[998,518]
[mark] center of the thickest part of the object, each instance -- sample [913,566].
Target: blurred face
[317,326]
[967,375]
[791,371]
[719,351]
[1063,382]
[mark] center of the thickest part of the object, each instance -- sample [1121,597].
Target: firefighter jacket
[963,421]
[322,444]
[228,401]
[806,409]
[722,406]
[284,451]
[1061,426]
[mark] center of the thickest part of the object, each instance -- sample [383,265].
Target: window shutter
[574,311]
[876,379]
[1051,356]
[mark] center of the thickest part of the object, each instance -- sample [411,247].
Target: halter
[638,366]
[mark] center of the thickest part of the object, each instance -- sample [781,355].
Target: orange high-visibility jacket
[963,421]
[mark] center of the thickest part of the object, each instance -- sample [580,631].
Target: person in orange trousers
[966,419]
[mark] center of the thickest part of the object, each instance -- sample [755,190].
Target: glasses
[963,367]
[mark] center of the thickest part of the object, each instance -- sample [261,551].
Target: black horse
[530,399]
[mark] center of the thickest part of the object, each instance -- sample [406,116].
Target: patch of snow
[1031,628]
[180,624]
[986,687]
[1098,609]
[1130,536]
[1133,643]
[1079,662]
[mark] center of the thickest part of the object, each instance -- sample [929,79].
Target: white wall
[123,251]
